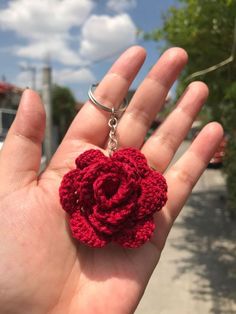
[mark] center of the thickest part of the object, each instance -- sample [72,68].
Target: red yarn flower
[112,198]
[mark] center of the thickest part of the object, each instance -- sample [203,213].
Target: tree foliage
[205,29]
[63,107]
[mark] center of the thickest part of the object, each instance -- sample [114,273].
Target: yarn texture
[112,199]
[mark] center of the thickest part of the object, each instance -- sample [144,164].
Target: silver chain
[113,121]
[112,142]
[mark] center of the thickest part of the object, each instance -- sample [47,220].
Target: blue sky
[81,38]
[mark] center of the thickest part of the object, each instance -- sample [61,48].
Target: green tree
[205,28]
[63,104]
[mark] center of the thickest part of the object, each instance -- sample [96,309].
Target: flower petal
[121,178]
[68,190]
[89,157]
[116,216]
[103,227]
[110,222]
[90,174]
[153,195]
[135,234]
[84,232]
[134,158]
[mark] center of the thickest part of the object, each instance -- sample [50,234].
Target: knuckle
[168,140]
[185,177]
[140,115]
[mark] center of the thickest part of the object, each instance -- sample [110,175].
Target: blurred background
[60,47]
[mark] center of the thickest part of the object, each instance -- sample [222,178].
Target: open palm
[42,269]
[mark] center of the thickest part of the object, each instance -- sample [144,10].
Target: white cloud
[23,79]
[121,5]
[40,19]
[46,26]
[56,49]
[83,75]
[64,76]
[26,77]
[103,36]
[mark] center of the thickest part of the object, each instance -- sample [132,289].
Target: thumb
[21,153]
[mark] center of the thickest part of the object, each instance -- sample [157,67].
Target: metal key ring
[91,96]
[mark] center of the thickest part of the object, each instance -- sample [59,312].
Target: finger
[163,144]
[21,152]
[184,174]
[91,122]
[150,97]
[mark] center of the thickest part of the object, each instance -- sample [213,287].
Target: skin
[42,269]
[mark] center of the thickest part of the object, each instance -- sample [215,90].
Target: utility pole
[47,100]
[32,70]
[33,77]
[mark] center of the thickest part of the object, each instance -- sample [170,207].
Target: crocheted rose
[112,198]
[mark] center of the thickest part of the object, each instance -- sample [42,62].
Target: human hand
[42,269]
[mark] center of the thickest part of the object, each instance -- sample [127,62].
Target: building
[9,95]
[9,100]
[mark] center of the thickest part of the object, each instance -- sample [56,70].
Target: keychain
[112,199]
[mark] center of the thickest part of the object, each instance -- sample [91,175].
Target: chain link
[113,121]
[112,142]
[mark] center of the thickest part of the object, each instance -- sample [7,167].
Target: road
[197,270]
